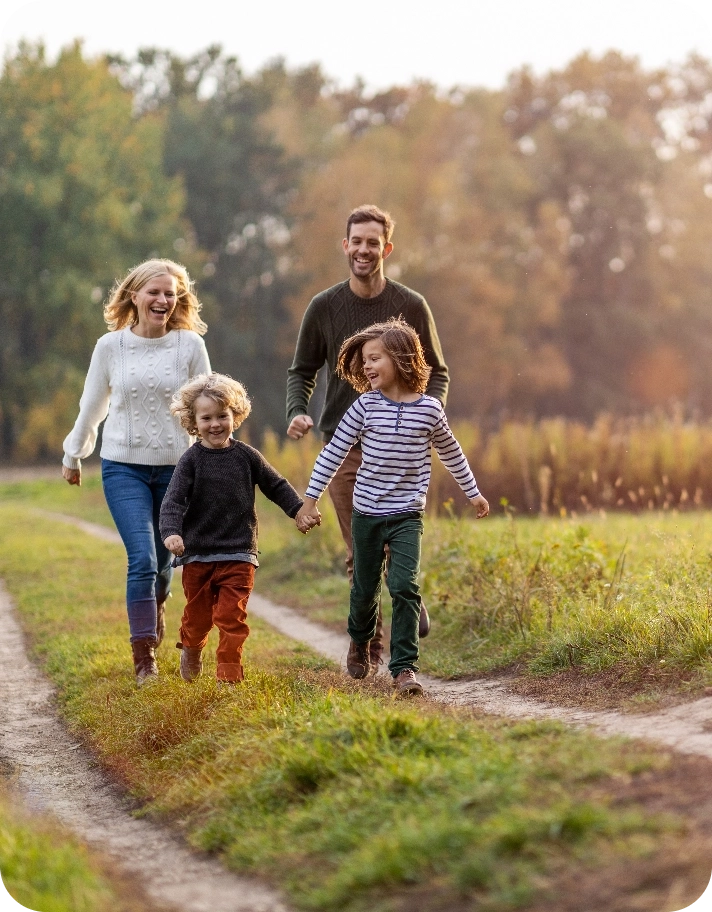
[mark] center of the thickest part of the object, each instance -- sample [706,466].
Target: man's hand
[175,545]
[481,505]
[299,427]
[308,517]
[73,476]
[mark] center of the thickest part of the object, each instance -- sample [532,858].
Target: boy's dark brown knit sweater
[210,500]
[334,315]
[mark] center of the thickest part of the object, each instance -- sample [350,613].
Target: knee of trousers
[405,590]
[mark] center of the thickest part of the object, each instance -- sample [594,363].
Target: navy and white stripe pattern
[396,440]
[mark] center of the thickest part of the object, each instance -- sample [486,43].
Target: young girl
[208,521]
[396,424]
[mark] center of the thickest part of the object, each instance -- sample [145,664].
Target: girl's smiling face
[379,369]
[214,421]
[155,302]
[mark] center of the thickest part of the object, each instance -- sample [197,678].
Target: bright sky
[448,42]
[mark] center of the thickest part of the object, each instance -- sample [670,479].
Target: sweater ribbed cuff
[71,462]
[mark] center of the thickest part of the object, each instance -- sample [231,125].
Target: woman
[152,349]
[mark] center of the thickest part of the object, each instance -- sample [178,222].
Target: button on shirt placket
[398,417]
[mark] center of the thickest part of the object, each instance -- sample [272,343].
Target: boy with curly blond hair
[208,521]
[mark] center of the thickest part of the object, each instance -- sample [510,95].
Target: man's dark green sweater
[334,315]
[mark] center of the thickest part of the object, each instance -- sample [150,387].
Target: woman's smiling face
[155,302]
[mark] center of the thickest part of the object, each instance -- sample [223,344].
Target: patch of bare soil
[55,775]
[609,689]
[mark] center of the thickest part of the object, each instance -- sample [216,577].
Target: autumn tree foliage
[560,227]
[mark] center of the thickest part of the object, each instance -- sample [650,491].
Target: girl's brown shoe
[407,685]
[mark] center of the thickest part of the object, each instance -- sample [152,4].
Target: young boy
[208,521]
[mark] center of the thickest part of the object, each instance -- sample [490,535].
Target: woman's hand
[308,517]
[174,543]
[73,476]
[481,505]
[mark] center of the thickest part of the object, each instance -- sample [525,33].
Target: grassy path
[344,798]
[686,728]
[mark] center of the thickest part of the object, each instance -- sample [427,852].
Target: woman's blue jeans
[134,494]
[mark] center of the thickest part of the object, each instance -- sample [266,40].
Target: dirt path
[54,774]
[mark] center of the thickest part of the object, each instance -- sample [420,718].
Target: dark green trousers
[403,533]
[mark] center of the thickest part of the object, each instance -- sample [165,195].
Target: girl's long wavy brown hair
[120,310]
[401,343]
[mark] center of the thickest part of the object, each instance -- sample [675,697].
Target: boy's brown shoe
[358,662]
[191,663]
[406,684]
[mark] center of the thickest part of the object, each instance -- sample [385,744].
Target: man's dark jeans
[403,533]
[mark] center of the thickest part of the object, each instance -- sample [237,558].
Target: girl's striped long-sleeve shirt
[396,441]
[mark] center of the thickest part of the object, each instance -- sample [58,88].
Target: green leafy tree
[84,197]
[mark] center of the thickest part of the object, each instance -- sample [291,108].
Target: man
[334,315]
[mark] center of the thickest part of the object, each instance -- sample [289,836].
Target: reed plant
[555,466]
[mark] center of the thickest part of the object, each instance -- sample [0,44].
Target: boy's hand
[481,505]
[308,517]
[175,545]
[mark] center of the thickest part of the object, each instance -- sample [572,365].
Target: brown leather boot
[407,685]
[358,663]
[144,657]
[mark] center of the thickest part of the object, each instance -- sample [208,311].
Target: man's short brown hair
[371,213]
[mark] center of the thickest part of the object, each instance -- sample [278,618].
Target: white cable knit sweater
[130,382]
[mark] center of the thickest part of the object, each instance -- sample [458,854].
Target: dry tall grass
[556,466]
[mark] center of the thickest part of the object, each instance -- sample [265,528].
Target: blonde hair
[402,345]
[220,388]
[120,310]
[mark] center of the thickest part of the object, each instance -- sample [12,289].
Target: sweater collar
[367,302]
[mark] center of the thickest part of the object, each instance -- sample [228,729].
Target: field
[329,788]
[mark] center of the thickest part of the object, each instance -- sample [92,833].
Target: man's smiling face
[366,249]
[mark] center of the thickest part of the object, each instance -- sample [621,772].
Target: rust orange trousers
[216,594]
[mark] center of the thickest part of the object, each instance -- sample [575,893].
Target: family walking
[181,488]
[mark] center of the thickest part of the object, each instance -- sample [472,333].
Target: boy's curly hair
[401,343]
[222,389]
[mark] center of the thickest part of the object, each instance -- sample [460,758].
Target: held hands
[299,427]
[308,517]
[481,505]
[174,543]
[73,476]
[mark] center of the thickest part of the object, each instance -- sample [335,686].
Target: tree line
[560,227]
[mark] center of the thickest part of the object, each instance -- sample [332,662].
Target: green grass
[331,789]
[45,868]
[630,593]
[623,593]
